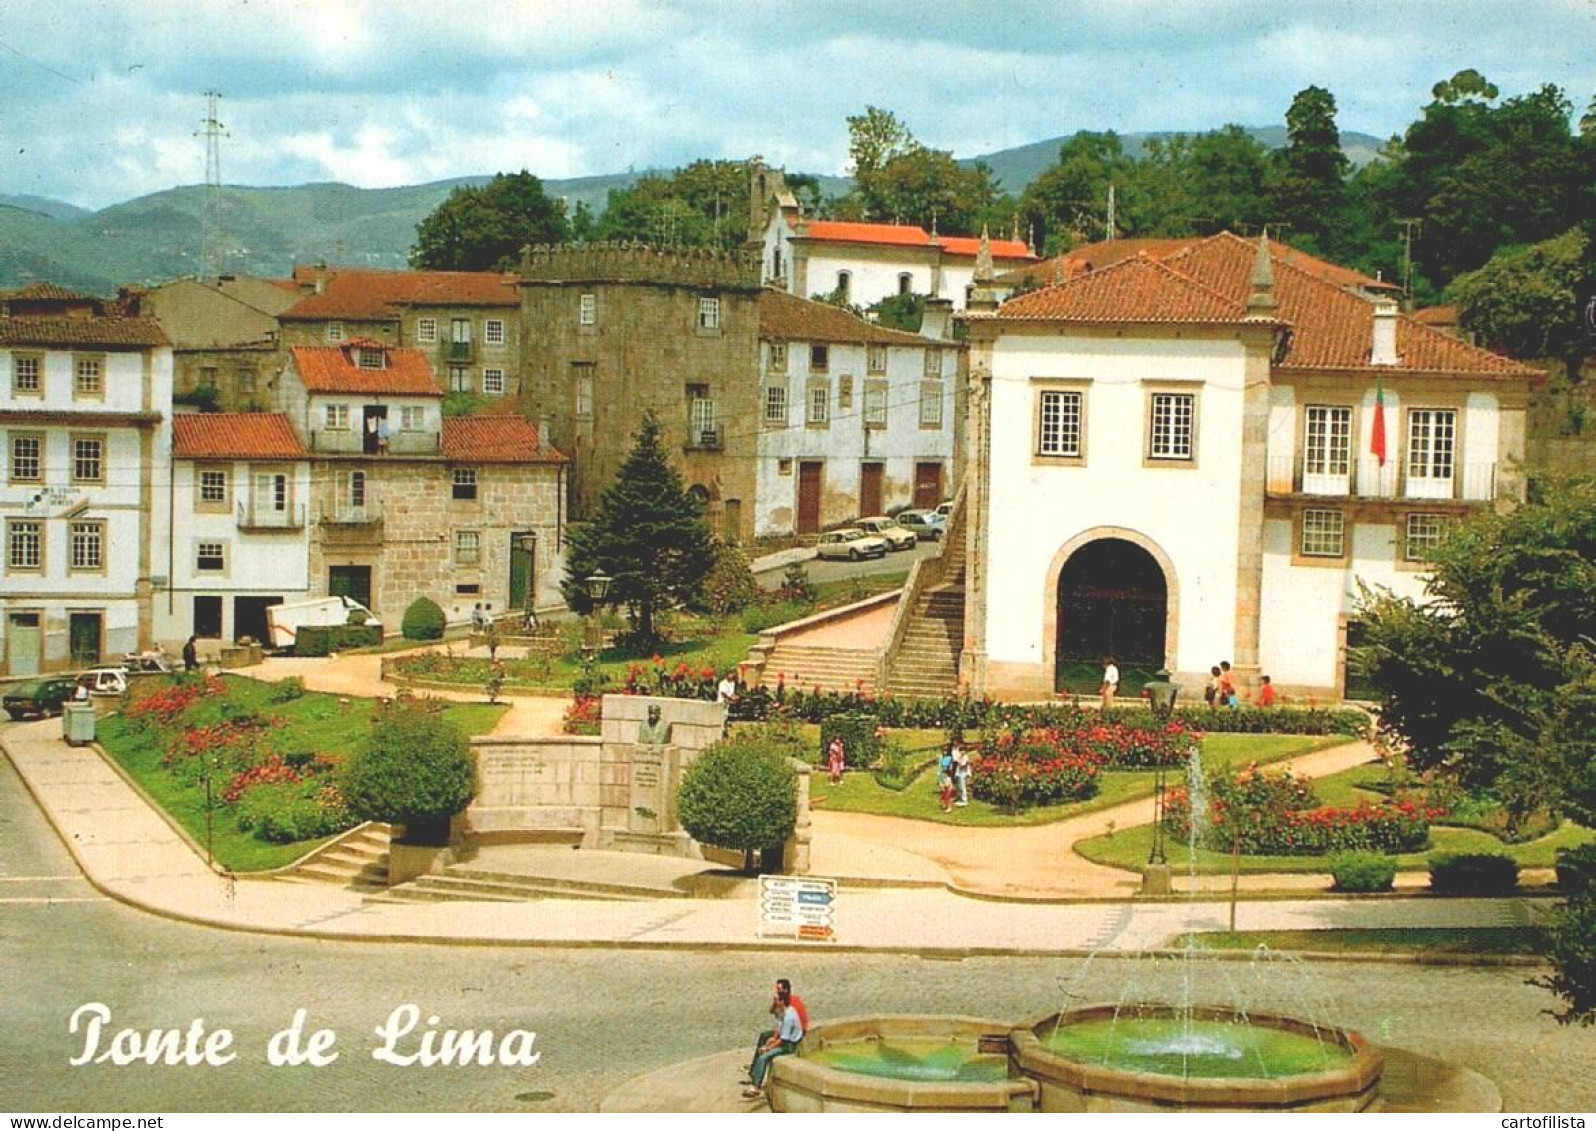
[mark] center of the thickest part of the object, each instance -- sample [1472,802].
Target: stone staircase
[357,860]
[831,669]
[925,662]
[462,882]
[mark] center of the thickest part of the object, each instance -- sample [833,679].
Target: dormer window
[368,358]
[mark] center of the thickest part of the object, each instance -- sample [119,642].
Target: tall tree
[704,204]
[484,229]
[1067,204]
[647,533]
[898,180]
[1308,191]
[1531,301]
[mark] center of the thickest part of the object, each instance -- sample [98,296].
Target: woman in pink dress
[836,761]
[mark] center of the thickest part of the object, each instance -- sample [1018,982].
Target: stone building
[467,323]
[466,511]
[614,331]
[1199,457]
[855,419]
[226,344]
[84,408]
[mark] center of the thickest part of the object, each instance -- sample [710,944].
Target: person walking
[945,778]
[961,773]
[836,760]
[190,654]
[1110,682]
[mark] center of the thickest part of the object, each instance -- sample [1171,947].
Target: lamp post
[1160,692]
[598,587]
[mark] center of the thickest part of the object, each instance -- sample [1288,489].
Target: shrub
[325,639]
[357,617]
[415,769]
[730,586]
[756,618]
[1473,873]
[583,716]
[286,690]
[1032,773]
[741,793]
[423,620]
[897,767]
[1362,871]
[1572,950]
[284,812]
[861,743]
[796,586]
[1576,868]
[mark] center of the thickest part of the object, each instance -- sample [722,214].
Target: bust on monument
[653,732]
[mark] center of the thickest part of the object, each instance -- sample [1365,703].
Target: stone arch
[1055,572]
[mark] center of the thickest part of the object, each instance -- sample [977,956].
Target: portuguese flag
[1377,439]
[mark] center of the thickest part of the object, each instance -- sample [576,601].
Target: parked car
[945,509]
[105,681]
[881,526]
[851,543]
[40,697]
[927,525]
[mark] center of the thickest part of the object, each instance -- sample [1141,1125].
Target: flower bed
[1277,814]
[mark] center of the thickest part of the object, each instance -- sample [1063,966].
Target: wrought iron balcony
[1365,478]
[265,517]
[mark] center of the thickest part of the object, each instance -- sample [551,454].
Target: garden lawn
[1416,940]
[1129,849]
[861,793]
[326,723]
[718,652]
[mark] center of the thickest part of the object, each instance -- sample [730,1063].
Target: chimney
[937,321]
[1383,348]
[320,278]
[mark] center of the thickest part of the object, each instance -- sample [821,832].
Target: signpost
[797,907]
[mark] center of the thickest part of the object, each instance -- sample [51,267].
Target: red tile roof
[1095,256]
[909,235]
[383,295]
[47,291]
[495,439]
[1132,290]
[1331,328]
[789,317]
[332,369]
[234,435]
[70,332]
[1437,315]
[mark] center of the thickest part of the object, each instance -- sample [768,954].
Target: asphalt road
[601,1016]
[835,570]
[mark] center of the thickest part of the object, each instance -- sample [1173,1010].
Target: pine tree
[647,533]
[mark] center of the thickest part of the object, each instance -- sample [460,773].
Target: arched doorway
[1113,599]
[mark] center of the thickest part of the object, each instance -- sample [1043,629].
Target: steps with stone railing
[803,667]
[926,663]
[356,860]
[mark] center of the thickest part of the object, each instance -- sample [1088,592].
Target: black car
[39,696]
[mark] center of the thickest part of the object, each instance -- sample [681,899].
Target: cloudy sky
[100,99]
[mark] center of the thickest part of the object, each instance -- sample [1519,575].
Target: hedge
[1473,873]
[860,743]
[325,639]
[423,620]
[1363,871]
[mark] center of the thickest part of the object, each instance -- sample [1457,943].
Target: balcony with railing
[264,517]
[457,351]
[1367,478]
[353,442]
[704,440]
[343,525]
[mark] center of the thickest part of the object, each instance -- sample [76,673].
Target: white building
[239,537]
[855,419]
[1174,461]
[86,397]
[863,263]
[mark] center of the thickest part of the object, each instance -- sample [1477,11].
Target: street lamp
[1160,692]
[598,587]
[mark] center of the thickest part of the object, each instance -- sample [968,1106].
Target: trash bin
[77,724]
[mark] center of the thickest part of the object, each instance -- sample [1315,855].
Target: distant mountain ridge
[265,231]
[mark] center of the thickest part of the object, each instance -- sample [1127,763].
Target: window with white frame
[27,458]
[411,418]
[775,404]
[587,310]
[875,404]
[88,459]
[493,381]
[354,490]
[1173,418]
[367,358]
[88,377]
[876,359]
[465,483]
[1323,534]
[337,417]
[459,379]
[426,331]
[582,389]
[213,487]
[1058,431]
[701,417]
[1422,535]
[709,314]
[24,544]
[1327,440]
[778,357]
[335,331]
[493,332]
[27,374]
[210,557]
[86,546]
[467,547]
[931,404]
[818,401]
[1432,443]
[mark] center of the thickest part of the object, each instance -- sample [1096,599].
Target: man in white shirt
[1110,682]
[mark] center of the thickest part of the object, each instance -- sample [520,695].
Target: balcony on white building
[353,442]
[1368,478]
